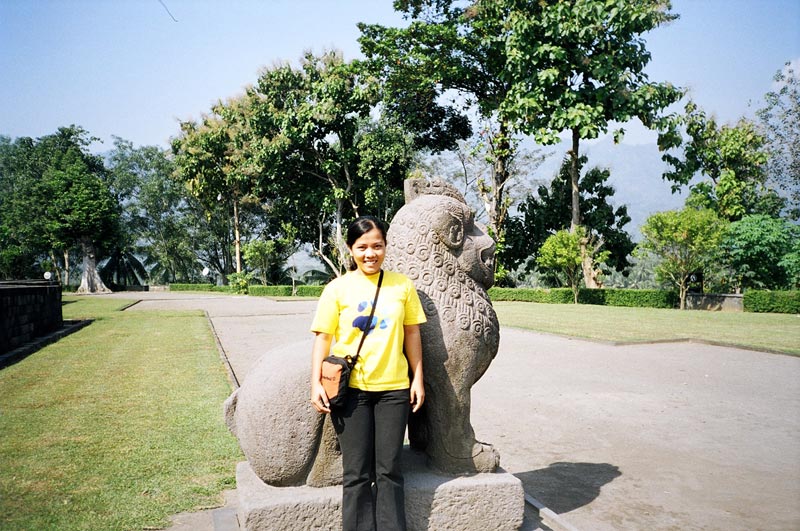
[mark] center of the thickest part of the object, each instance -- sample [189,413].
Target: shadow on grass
[564,487]
[22,352]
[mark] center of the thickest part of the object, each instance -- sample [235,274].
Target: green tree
[686,241]
[549,210]
[780,125]
[563,252]
[436,74]
[81,207]
[156,215]
[732,157]
[538,68]
[56,198]
[755,247]
[323,153]
[266,257]
[22,236]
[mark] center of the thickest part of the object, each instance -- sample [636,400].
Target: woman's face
[368,252]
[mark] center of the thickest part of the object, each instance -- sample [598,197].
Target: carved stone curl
[435,241]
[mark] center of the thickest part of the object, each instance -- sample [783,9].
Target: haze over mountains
[636,171]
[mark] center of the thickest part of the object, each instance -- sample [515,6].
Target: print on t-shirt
[360,322]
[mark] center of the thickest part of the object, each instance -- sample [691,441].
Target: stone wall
[714,301]
[28,309]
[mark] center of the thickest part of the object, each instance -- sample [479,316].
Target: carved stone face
[477,254]
[468,241]
[440,222]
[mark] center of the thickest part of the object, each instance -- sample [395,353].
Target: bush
[240,282]
[309,291]
[765,301]
[634,298]
[198,287]
[271,291]
[547,296]
[286,291]
[642,298]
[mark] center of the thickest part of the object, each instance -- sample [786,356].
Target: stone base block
[434,502]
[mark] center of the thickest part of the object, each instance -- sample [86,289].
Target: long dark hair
[358,228]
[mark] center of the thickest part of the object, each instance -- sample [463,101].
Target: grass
[117,426]
[760,331]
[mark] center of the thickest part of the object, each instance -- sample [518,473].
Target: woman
[371,424]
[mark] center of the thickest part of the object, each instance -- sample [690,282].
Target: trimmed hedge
[199,287]
[771,301]
[547,296]
[641,298]
[285,291]
[270,291]
[309,291]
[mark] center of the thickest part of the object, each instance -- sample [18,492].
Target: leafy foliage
[732,157]
[641,298]
[549,210]
[780,125]
[563,252]
[56,197]
[755,247]
[771,301]
[685,240]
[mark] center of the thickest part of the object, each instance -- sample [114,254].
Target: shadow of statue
[563,487]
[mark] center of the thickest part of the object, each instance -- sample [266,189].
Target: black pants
[371,427]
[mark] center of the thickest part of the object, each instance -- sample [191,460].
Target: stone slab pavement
[669,436]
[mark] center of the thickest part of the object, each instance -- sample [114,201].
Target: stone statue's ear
[454,235]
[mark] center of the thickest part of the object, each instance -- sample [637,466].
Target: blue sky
[126,68]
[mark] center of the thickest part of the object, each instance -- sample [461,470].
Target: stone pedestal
[434,502]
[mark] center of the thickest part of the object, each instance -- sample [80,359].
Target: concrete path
[672,436]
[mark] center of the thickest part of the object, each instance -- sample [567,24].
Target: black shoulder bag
[336,370]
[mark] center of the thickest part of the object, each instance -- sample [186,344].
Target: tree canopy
[685,240]
[548,210]
[733,158]
[59,198]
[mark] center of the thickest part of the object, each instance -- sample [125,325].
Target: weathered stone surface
[278,430]
[263,507]
[433,501]
[435,241]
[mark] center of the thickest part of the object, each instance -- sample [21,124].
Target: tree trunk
[683,287]
[236,239]
[573,173]
[587,265]
[66,267]
[90,281]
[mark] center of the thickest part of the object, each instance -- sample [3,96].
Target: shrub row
[285,291]
[198,287]
[771,301]
[642,298]
[269,291]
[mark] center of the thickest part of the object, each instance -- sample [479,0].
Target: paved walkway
[671,436]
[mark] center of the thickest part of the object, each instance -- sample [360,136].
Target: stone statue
[435,241]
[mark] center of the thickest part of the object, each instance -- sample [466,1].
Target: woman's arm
[322,345]
[412,345]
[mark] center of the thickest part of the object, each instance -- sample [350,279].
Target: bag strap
[353,361]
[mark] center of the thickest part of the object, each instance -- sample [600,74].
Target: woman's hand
[319,399]
[412,345]
[417,393]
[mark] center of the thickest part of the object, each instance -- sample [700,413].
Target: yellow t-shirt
[343,311]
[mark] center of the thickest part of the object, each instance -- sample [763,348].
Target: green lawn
[761,331]
[117,426]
